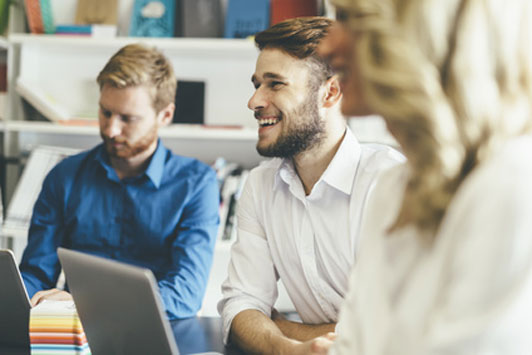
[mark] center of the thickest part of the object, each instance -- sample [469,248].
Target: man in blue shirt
[129,198]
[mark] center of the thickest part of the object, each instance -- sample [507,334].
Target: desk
[193,335]
[201,334]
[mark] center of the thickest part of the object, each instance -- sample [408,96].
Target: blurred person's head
[451,78]
[295,89]
[137,92]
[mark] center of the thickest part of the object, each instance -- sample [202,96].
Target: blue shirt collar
[156,168]
[154,171]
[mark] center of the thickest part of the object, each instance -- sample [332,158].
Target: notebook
[14,304]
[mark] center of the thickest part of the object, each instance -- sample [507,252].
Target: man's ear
[166,114]
[333,92]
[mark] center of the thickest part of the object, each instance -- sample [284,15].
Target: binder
[152,18]
[201,18]
[246,17]
[286,9]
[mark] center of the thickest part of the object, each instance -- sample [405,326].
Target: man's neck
[130,167]
[311,164]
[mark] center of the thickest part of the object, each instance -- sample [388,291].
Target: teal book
[152,18]
[246,17]
[47,16]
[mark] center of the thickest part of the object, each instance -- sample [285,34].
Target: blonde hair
[135,65]
[452,78]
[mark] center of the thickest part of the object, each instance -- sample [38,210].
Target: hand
[316,346]
[53,294]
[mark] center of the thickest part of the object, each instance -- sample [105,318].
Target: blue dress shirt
[165,219]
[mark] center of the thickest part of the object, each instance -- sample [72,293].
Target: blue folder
[246,17]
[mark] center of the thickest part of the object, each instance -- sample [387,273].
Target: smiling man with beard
[129,198]
[299,214]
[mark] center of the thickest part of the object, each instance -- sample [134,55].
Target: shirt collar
[156,168]
[287,172]
[341,171]
[154,171]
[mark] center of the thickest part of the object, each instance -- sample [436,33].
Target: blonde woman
[446,266]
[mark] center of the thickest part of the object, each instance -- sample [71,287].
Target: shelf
[212,46]
[4,43]
[173,131]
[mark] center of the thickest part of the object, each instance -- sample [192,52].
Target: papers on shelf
[55,328]
[44,103]
[41,161]
[47,105]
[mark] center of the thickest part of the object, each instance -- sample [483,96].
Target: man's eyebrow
[274,76]
[268,76]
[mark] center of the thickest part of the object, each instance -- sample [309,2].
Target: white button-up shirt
[309,242]
[468,293]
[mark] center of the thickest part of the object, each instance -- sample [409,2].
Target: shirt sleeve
[252,278]
[40,265]
[183,287]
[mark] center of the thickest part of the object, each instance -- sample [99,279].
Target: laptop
[14,304]
[118,305]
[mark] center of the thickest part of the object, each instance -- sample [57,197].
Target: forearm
[255,333]
[303,332]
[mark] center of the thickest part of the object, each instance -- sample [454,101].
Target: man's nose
[258,100]
[113,127]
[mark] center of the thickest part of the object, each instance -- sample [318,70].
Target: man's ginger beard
[130,150]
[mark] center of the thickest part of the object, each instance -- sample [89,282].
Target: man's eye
[276,84]
[106,113]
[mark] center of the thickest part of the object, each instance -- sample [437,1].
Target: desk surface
[193,335]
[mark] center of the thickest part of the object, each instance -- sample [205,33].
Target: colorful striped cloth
[55,328]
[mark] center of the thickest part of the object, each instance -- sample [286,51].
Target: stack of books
[55,328]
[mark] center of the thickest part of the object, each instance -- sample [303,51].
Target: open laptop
[118,305]
[14,305]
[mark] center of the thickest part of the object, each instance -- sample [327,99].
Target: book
[33,15]
[152,18]
[47,16]
[286,9]
[200,18]
[4,15]
[246,17]
[97,31]
[100,12]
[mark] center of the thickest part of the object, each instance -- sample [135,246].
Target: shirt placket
[309,264]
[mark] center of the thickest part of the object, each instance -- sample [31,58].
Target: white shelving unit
[65,68]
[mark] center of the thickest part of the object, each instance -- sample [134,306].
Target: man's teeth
[268,121]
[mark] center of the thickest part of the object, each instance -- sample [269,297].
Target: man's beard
[300,136]
[130,150]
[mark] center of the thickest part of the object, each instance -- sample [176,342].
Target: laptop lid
[14,303]
[118,305]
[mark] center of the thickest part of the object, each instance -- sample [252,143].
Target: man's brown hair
[299,37]
[136,64]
